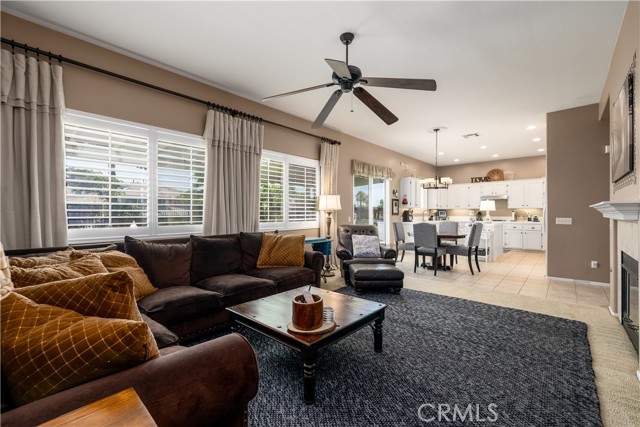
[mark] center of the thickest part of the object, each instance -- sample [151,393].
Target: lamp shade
[487,205]
[328,202]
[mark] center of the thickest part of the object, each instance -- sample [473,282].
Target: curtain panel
[32,192]
[370,170]
[232,176]
[329,185]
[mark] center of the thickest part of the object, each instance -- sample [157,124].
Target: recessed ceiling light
[441,153]
[537,139]
[483,147]
[495,155]
[540,149]
[531,127]
[456,160]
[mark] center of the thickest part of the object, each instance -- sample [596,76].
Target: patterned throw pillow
[89,264]
[41,260]
[365,246]
[281,250]
[48,349]
[107,295]
[119,261]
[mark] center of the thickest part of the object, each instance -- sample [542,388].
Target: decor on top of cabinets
[622,135]
[438,182]
[496,175]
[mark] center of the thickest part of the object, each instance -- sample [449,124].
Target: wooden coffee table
[271,315]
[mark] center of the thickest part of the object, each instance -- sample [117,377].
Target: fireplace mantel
[621,211]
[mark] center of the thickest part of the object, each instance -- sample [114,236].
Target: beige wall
[523,168]
[95,93]
[577,176]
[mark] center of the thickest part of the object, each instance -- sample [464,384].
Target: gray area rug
[445,362]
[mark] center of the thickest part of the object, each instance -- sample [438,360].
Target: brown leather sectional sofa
[197,278]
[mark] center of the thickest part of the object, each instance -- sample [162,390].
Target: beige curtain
[370,170]
[32,194]
[329,185]
[232,190]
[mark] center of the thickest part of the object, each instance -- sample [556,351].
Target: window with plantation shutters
[123,178]
[288,192]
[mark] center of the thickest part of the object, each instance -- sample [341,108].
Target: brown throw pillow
[41,260]
[119,261]
[281,250]
[107,295]
[47,349]
[89,264]
[166,264]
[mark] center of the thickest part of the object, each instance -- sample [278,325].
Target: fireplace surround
[629,294]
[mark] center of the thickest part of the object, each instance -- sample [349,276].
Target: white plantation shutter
[107,178]
[303,183]
[180,172]
[290,179]
[271,191]
[125,178]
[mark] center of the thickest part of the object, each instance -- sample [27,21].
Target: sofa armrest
[342,252]
[207,384]
[388,252]
[315,261]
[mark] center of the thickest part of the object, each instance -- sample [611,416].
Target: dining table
[443,236]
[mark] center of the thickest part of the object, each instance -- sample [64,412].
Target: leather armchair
[344,248]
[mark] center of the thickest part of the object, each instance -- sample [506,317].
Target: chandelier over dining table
[438,182]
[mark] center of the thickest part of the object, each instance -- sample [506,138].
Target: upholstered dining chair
[425,237]
[471,248]
[448,227]
[401,244]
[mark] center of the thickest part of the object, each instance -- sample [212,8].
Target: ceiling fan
[347,76]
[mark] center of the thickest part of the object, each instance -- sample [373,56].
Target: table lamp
[329,203]
[489,206]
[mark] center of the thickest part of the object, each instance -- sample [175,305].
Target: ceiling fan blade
[339,67]
[375,105]
[299,91]
[417,84]
[335,96]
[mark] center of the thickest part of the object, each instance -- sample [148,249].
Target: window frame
[153,133]
[289,159]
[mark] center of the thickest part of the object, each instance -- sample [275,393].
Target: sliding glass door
[371,203]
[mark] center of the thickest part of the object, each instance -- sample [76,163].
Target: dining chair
[448,227]
[401,244]
[425,237]
[470,248]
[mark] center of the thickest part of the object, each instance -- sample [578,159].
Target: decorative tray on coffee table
[326,327]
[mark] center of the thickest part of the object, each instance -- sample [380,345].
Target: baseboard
[581,282]
[638,375]
[613,313]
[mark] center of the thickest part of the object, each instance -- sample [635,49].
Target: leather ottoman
[366,276]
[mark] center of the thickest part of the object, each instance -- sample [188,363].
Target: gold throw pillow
[107,295]
[281,250]
[41,260]
[89,264]
[119,261]
[47,349]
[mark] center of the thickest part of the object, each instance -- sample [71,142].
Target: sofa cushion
[89,264]
[46,349]
[163,336]
[39,260]
[250,244]
[119,261]
[166,264]
[238,288]
[214,256]
[286,278]
[178,303]
[107,295]
[281,250]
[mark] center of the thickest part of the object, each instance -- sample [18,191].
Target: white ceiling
[500,66]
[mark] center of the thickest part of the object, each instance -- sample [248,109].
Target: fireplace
[629,278]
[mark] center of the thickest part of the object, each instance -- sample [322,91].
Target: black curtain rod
[209,104]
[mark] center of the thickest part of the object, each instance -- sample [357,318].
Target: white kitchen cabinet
[452,196]
[532,237]
[526,194]
[498,188]
[473,196]
[412,190]
[512,236]
[515,194]
[443,199]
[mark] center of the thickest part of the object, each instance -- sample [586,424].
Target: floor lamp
[328,204]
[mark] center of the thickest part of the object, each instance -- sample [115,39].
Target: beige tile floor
[516,272]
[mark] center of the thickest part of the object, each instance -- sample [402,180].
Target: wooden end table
[271,315]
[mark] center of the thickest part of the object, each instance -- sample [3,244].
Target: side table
[322,244]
